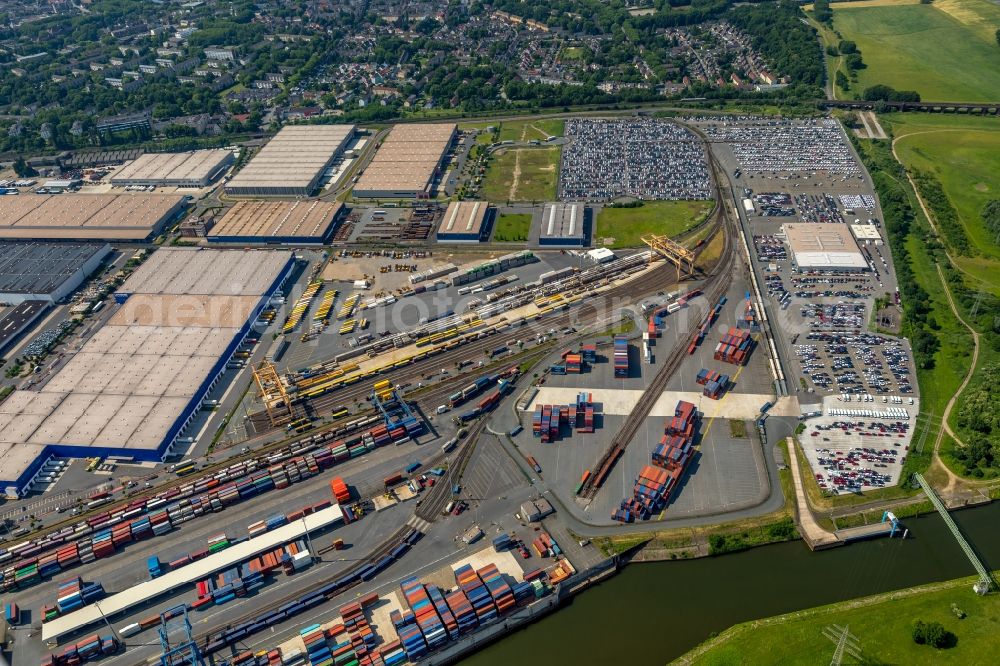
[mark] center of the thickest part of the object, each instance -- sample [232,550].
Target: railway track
[719,281]
[206,638]
[438,496]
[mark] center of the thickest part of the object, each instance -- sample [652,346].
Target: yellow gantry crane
[273,394]
[674,252]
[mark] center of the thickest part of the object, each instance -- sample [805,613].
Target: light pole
[97,605]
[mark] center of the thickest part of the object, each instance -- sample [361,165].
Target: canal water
[652,613]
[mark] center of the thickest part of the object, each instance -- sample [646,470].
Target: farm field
[627,226]
[528,174]
[945,51]
[961,152]
[882,624]
[512,227]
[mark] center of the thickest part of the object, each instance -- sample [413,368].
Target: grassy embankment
[882,624]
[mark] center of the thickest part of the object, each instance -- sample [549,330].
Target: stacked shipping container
[657,482]
[735,347]
[621,356]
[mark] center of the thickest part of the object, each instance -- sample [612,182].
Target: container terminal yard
[411,431]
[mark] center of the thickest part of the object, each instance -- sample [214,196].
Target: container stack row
[105,534]
[307,601]
[716,388]
[621,356]
[735,346]
[74,593]
[656,483]
[89,649]
[545,546]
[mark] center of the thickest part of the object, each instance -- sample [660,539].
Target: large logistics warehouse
[463,222]
[110,217]
[46,271]
[292,163]
[824,247]
[407,162]
[277,222]
[139,380]
[563,225]
[192,169]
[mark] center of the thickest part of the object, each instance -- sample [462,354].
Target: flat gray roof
[41,268]
[85,216]
[464,218]
[166,167]
[294,158]
[562,220]
[277,219]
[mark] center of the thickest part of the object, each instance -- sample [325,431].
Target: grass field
[512,227]
[945,50]
[528,174]
[531,130]
[882,624]
[626,226]
[962,152]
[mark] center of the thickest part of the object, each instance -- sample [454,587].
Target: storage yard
[292,163]
[411,433]
[293,223]
[406,163]
[110,217]
[192,169]
[46,271]
[639,158]
[803,194]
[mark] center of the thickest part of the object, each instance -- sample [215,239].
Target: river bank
[880,624]
[698,597]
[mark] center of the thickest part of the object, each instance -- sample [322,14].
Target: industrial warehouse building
[46,271]
[405,165]
[824,247]
[564,225]
[109,217]
[292,163]
[139,379]
[192,169]
[277,222]
[464,222]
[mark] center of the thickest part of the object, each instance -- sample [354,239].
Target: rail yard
[410,431]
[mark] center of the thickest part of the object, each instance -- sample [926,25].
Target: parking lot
[632,157]
[856,445]
[851,381]
[785,148]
